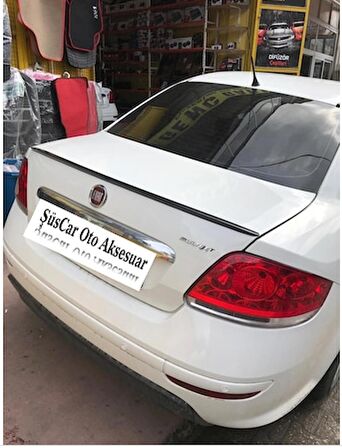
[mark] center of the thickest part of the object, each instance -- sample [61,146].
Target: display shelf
[133,63]
[128,50]
[227,6]
[178,5]
[218,25]
[178,50]
[235,51]
[229,28]
[128,30]
[126,12]
[199,23]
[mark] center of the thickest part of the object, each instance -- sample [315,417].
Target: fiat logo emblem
[98,196]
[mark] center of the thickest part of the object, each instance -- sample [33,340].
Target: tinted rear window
[279,138]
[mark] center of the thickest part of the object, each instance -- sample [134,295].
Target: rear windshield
[278,138]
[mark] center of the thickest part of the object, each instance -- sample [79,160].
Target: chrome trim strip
[169,202]
[162,250]
[266,323]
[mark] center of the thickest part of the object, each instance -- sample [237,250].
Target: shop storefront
[150,44]
[142,46]
[321,48]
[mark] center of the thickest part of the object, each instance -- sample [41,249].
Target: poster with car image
[279,38]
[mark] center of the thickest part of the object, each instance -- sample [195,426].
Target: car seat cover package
[72,96]
[84,24]
[46,19]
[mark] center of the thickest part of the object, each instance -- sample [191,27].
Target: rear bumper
[158,394]
[189,345]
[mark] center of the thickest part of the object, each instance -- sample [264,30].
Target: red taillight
[112,97]
[21,187]
[252,287]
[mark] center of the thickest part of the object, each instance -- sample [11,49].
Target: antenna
[255,82]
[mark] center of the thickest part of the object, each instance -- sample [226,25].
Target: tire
[328,382]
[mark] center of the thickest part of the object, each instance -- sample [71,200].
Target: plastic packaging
[39,75]
[11,169]
[52,128]
[99,103]
[6,42]
[22,125]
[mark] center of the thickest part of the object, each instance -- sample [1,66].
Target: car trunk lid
[199,212]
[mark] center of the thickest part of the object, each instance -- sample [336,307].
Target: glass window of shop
[335,16]
[325,10]
[321,39]
[329,13]
[314,8]
[311,36]
[325,42]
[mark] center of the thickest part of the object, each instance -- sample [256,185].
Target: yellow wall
[23,57]
[229,18]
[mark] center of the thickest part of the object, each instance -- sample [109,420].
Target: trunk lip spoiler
[153,196]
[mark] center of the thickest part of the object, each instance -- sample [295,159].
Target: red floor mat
[73,105]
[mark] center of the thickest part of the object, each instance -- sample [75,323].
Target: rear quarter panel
[311,240]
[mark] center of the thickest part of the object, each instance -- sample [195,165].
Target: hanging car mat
[81,59]
[72,97]
[85,24]
[46,19]
[77,58]
[32,38]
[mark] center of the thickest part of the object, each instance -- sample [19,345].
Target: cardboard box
[180,43]
[231,45]
[175,16]
[122,6]
[194,14]
[238,2]
[159,18]
[141,4]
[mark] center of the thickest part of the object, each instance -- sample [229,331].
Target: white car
[108,106]
[196,242]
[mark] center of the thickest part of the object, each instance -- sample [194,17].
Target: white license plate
[89,245]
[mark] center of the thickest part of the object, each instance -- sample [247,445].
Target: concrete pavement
[57,394]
